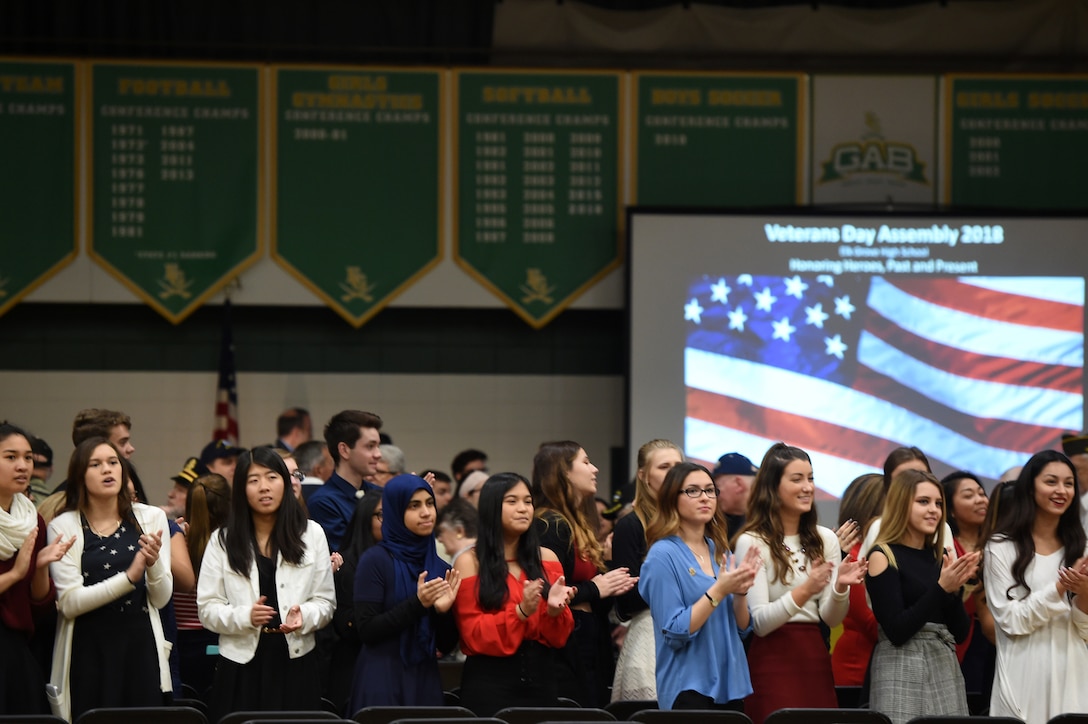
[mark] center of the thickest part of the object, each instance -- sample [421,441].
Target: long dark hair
[764,520]
[1017,523]
[951,484]
[360,533]
[899,456]
[491,548]
[238,537]
[75,496]
[552,490]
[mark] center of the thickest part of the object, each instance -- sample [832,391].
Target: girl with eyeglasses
[266,588]
[800,584]
[363,533]
[697,595]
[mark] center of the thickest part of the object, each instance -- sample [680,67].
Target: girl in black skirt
[110,650]
[265,587]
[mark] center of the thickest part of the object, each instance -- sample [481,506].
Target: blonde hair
[895,518]
[645,503]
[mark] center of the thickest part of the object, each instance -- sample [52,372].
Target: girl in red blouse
[512,608]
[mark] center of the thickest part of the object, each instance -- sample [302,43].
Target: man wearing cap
[1075,447]
[179,494]
[733,476]
[219,457]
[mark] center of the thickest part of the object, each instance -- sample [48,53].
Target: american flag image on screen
[978,372]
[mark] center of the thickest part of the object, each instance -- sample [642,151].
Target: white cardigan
[74,599]
[225,598]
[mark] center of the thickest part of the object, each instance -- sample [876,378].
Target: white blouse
[770,601]
[1042,659]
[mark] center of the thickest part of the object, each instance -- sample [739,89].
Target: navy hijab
[412,554]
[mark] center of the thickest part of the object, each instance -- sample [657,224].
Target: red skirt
[790,668]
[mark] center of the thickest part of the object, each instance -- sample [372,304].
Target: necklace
[696,553]
[104,535]
[799,562]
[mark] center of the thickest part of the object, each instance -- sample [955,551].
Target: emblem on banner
[174,283]
[873,154]
[536,287]
[356,286]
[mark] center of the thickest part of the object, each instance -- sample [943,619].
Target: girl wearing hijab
[403,592]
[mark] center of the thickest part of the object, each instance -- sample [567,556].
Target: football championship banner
[176,175]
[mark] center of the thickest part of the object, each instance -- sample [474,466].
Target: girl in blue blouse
[696,591]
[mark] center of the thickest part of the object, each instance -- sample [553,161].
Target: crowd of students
[714,617]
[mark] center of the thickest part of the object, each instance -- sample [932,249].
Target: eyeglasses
[696,492]
[378,515]
[297,475]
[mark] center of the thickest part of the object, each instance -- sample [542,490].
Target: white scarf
[16,525]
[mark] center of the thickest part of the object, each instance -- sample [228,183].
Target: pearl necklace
[800,563]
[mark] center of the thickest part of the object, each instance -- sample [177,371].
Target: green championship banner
[537,190]
[176,178]
[713,139]
[357,173]
[1017,141]
[38,177]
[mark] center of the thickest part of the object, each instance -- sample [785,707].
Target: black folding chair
[539,714]
[967,720]
[827,716]
[388,714]
[624,708]
[143,715]
[240,717]
[690,716]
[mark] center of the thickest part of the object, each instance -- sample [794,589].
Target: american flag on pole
[226,391]
[978,372]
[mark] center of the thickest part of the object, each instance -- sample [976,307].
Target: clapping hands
[439,592]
